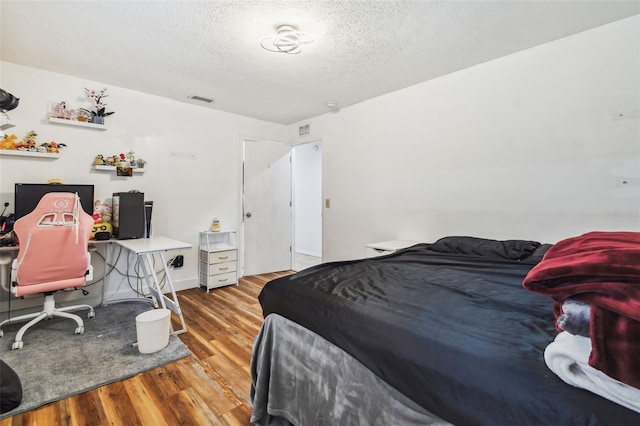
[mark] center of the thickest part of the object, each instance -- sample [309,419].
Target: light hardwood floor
[209,387]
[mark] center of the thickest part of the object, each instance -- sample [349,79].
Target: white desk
[145,248]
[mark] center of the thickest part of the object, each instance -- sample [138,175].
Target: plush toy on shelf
[8,142]
[53,147]
[28,142]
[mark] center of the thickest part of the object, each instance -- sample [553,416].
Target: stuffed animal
[8,142]
[101,231]
[53,147]
[99,161]
[28,143]
[101,211]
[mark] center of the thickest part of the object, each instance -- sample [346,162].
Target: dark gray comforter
[457,334]
[300,378]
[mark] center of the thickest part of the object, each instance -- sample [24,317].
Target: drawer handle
[223,280]
[379,250]
[223,269]
[223,257]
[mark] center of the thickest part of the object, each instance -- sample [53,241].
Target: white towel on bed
[568,357]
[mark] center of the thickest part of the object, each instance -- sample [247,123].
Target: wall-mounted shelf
[29,153]
[55,120]
[113,168]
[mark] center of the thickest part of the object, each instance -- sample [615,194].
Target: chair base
[50,310]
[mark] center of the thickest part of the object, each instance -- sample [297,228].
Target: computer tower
[128,215]
[148,208]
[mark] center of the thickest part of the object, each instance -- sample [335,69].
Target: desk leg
[154,287]
[104,274]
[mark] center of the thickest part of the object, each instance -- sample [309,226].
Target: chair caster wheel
[17,345]
[79,330]
[91,314]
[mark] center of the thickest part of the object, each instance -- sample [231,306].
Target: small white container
[153,328]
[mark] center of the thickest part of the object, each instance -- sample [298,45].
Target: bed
[441,333]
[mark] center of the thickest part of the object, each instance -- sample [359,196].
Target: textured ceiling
[362,49]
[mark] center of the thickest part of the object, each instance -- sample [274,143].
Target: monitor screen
[27,196]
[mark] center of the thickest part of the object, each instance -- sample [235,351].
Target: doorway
[281,206]
[306,171]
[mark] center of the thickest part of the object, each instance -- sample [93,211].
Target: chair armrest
[5,271]
[14,270]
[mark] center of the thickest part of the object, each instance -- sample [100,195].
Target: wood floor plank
[116,403]
[209,387]
[143,399]
[190,409]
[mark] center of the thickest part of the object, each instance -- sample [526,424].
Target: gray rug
[55,363]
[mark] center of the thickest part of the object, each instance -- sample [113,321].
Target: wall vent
[303,130]
[200,98]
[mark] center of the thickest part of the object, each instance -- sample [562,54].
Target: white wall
[525,146]
[188,189]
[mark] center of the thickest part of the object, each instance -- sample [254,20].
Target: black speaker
[128,215]
[148,207]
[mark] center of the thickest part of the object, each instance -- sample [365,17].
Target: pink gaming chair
[53,255]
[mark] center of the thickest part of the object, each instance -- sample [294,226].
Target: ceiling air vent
[200,98]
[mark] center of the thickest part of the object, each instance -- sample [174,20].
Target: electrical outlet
[178,261]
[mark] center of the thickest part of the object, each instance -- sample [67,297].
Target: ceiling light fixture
[286,40]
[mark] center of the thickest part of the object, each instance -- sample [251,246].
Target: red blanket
[602,269]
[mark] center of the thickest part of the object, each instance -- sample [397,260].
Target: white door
[266,207]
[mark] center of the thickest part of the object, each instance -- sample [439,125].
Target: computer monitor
[27,196]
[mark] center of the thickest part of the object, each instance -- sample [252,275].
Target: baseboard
[125,292]
[185,284]
[309,252]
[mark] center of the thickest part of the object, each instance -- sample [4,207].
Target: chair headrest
[58,202]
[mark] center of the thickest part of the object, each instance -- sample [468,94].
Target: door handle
[248,214]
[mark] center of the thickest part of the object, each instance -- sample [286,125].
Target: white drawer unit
[218,256]
[219,268]
[218,264]
[218,280]
[387,247]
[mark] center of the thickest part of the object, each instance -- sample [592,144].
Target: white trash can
[153,328]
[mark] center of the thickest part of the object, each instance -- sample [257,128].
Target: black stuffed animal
[10,388]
